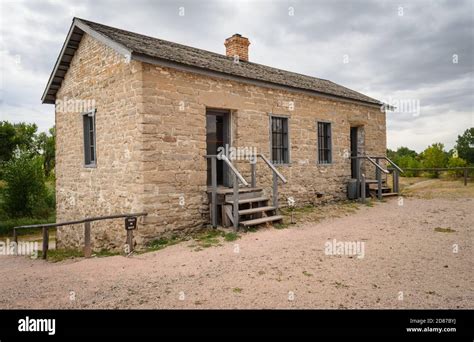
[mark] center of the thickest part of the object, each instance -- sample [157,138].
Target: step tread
[384,194]
[261,220]
[226,191]
[249,200]
[373,181]
[256,210]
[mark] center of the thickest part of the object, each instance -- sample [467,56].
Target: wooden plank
[235,203]
[256,210]
[249,200]
[262,220]
[214,192]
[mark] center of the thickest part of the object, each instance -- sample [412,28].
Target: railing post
[130,240]
[214,192]
[379,180]
[45,242]
[362,188]
[87,240]
[235,199]
[395,180]
[465,177]
[275,190]
[357,175]
[253,171]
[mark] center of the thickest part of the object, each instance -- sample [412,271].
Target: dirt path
[407,264]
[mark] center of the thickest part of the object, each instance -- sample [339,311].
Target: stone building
[136,117]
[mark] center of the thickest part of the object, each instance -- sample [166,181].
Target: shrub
[25,192]
[456,162]
[434,157]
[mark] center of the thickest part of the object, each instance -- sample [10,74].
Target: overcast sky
[413,51]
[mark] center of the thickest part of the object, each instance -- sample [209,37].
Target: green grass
[237,290]
[161,243]
[444,230]
[56,255]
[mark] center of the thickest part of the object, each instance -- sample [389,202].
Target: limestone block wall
[99,78]
[151,144]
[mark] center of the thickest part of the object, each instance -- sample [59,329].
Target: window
[89,138]
[279,140]
[324,143]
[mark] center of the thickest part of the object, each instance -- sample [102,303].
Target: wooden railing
[235,182]
[87,231]
[275,172]
[360,178]
[237,177]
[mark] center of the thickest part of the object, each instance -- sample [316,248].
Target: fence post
[87,240]
[45,242]
[214,192]
[130,240]
[235,199]
[362,188]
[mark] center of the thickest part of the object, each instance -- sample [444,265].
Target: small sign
[130,223]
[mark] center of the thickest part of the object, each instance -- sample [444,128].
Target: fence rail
[438,169]
[87,231]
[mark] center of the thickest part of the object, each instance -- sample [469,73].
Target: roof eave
[49,97]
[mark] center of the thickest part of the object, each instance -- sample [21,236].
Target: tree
[25,192]
[7,141]
[465,145]
[20,136]
[434,157]
[456,162]
[46,145]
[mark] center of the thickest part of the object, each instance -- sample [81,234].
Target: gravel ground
[406,264]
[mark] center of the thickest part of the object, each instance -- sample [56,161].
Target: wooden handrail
[231,166]
[271,166]
[87,230]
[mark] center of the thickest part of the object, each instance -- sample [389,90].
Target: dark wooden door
[217,135]
[354,148]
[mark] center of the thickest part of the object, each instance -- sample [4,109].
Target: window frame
[287,117]
[329,143]
[87,145]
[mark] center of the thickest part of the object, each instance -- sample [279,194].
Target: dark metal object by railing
[87,230]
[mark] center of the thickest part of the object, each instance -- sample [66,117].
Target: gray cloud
[390,56]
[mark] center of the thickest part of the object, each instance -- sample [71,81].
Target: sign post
[130,226]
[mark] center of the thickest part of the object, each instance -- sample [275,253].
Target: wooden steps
[256,210]
[249,200]
[255,222]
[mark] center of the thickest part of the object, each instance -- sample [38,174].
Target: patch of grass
[56,255]
[444,230]
[281,225]
[232,236]
[237,290]
[105,253]
[306,273]
[161,243]
[209,238]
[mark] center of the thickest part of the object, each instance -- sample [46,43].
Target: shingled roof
[154,50]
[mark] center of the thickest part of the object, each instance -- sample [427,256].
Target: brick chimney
[237,46]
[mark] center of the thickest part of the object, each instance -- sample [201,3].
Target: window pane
[324,142]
